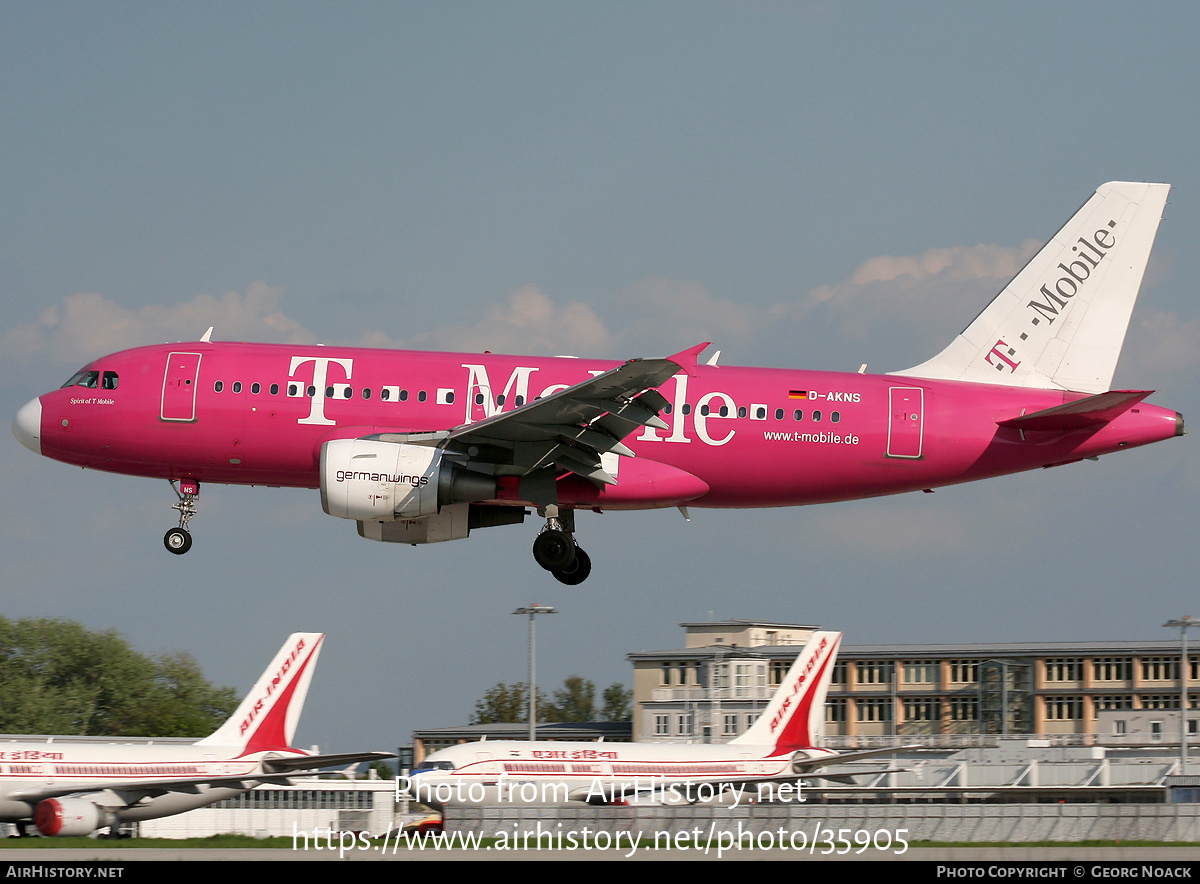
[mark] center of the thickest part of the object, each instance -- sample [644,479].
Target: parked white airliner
[69,788]
[783,744]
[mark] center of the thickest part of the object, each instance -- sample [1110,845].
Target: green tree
[618,703]
[57,677]
[508,703]
[574,701]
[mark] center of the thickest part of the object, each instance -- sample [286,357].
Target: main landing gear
[179,540]
[556,551]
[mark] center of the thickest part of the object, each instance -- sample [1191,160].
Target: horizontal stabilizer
[1082,413]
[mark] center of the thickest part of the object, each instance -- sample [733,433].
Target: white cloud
[528,322]
[85,325]
[910,291]
[670,314]
[1160,346]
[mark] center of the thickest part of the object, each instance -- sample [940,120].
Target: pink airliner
[425,447]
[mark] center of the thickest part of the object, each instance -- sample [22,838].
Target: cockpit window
[87,379]
[109,381]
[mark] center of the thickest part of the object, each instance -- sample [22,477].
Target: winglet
[268,715]
[207,336]
[690,358]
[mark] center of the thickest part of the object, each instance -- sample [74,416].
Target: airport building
[1093,693]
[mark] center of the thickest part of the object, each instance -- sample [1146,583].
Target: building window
[920,671]
[662,725]
[874,710]
[835,711]
[731,725]
[685,724]
[1160,701]
[922,710]
[1116,702]
[839,673]
[1112,669]
[964,709]
[964,671]
[1160,668]
[1064,669]
[666,674]
[874,671]
[1064,708]
[779,668]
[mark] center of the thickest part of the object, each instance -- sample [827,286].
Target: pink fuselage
[856,435]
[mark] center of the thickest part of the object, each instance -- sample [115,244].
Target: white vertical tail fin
[1061,322]
[268,715]
[795,717]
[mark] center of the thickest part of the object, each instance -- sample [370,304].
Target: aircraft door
[906,422]
[179,387]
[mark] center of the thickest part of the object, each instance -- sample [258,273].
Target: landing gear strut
[179,540]
[556,551]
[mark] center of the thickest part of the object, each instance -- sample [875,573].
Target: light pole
[533,611]
[1183,623]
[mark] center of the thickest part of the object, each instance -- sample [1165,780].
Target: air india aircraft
[784,743]
[424,447]
[76,788]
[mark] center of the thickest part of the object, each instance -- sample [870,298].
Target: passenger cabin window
[219,386]
[237,386]
[366,392]
[110,380]
[274,389]
[422,396]
[256,389]
[778,414]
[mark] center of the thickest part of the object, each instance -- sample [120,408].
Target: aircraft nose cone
[27,425]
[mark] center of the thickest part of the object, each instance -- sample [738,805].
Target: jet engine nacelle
[371,481]
[70,816]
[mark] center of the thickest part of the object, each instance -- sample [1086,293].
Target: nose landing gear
[179,540]
[556,551]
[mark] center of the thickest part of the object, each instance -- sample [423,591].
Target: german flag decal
[798,394]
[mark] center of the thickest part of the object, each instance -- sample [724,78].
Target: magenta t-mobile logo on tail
[1003,351]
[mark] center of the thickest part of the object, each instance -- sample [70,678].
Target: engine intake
[70,816]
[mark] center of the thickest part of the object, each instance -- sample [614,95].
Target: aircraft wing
[273,770]
[571,429]
[316,762]
[843,757]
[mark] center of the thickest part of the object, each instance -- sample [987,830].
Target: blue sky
[807,184]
